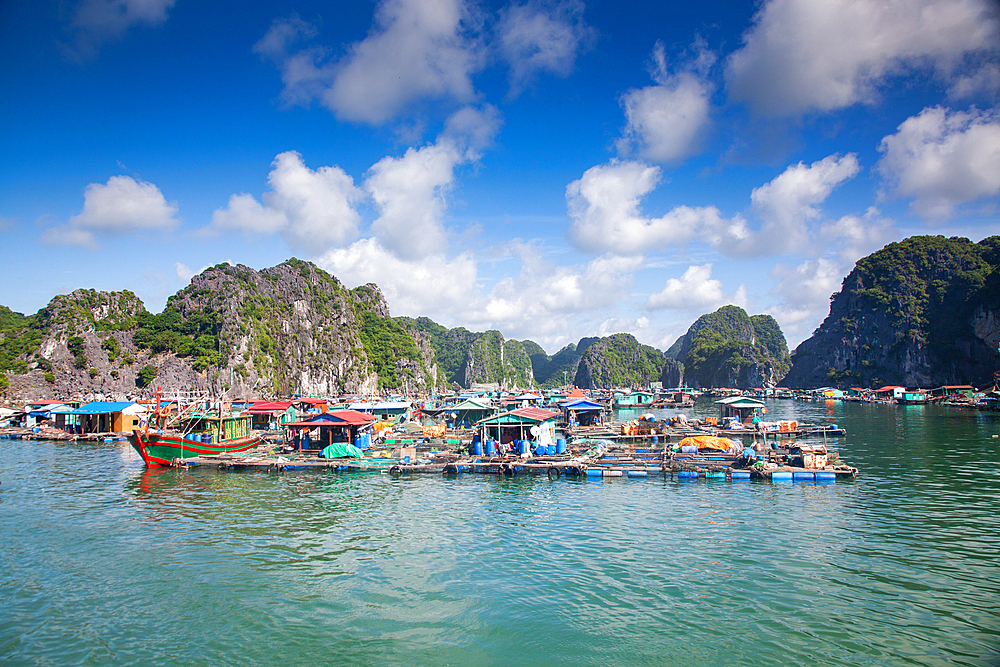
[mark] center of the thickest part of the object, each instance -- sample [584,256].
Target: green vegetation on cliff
[20,336]
[385,342]
[195,336]
[730,348]
[916,312]
[619,360]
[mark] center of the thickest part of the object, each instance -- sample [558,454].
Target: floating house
[520,425]
[327,428]
[583,412]
[889,392]
[635,399]
[269,415]
[40,411]
[949,390]
[742,407]
[912,397]
[103,417]
[385,410]
[469,411]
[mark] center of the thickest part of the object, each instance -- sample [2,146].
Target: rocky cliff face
[287,329]
[728,348]
[619,360]
[921,312]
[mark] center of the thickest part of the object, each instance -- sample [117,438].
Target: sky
[549,169]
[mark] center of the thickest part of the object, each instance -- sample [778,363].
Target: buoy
[688,474]
[826,476]
[638,473]
[803,475]
[739,475]
[781,476]
[595,472]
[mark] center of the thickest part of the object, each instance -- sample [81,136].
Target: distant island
[920,312]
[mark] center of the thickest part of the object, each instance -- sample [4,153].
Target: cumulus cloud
[410,191]
[551,304]
[942,158]
[856,237]
[803,293]
[665,122]
[533,38]
[416,51]
[803,55]
[418,286]
[696,290]
[97,21]
[788,202]
[121,206]
[312,209]
[604,206]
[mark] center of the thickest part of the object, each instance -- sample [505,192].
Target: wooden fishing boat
[178,431]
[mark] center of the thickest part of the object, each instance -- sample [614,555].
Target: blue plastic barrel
[477,448]
[560,445]
[638,473]
[739,475]
[541,451]
[781,476]
[803,476]
[491,448]
[688,474]
[689,449]
[206,438]
[656,439]
[595,472]
[826,476]
[715,475]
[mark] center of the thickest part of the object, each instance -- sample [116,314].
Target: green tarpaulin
[341,449]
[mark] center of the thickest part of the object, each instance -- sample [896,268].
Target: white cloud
[696,290]
[943,158]
[184,273]
[788,202]
[981,83]
[856,237]
[605,212]
[122,206]
[666,121]
[804,296]
[313,209]
[416,51]
[429,285]
[534,39]
[803,55]
[97,21]
[553,305]
[410,192]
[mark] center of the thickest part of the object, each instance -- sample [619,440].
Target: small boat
[198,430]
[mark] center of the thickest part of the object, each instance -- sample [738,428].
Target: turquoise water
[104,562]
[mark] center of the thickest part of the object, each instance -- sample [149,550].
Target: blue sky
[549,169]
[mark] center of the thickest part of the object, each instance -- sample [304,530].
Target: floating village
[563,432]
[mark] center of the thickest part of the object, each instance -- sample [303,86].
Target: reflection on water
[104,561]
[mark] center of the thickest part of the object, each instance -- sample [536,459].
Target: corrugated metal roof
[100,408]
